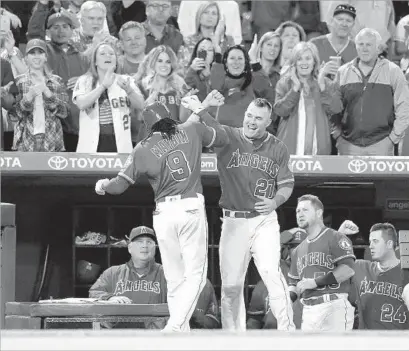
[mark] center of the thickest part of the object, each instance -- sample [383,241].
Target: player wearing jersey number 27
[255,180]
[320,272]
[171,158]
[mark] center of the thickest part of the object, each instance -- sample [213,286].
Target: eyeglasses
[159,7]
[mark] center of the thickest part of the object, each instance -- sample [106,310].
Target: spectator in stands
[268,54]
[91,33]
[40,104]
[379,15]
[209,23]
[229,11]
[259,313]
[11,53]
[63,59]
[128,11]
[107,103]
[304,100]
[338,42]
[269,15]
[307,15]
[206,313]
[375,95]
[158,32]
[401,43]
[141,280]
[198,73]
[291,34]
[231,75]
[133,42]
[7,100]
[159,80]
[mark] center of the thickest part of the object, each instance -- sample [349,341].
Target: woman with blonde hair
[40,105]
[305,99]
[209,24]
[107,103]
[159,80]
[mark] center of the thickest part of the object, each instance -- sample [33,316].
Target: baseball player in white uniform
[255,180]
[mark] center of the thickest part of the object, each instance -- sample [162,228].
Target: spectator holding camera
[107,103]
[40,104]
[209,23]
[375,98]
[159,80]
[304,101]
[198,74]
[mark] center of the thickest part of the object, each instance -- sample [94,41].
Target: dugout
[55,201]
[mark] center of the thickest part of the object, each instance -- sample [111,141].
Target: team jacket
[375,108]
[123,280]
[378,295]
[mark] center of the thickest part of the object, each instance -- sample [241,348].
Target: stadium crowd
[333,76]
[76,75]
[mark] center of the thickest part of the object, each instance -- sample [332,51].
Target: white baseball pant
[331,316]
[241,239]
[181,230]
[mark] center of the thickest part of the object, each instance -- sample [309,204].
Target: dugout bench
[30,315]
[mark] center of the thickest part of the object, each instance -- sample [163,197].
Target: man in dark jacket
[63,59]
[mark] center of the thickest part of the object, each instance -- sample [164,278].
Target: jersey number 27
[265,188]
[178,166]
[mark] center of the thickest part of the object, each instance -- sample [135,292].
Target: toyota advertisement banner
[19,163]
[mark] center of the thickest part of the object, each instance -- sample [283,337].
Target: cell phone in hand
[202,54]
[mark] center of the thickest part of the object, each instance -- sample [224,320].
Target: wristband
[327,279]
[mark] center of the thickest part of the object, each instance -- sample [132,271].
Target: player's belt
[320,299]
[240,214]
[177,197]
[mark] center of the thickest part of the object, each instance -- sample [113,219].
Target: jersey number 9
[178,166]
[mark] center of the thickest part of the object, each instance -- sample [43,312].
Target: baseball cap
[59,16]
[345,8]
[36,44]
[141,231]
[293,236]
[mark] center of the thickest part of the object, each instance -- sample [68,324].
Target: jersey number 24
[178,166]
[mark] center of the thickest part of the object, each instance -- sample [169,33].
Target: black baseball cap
[141,231]
[345,8]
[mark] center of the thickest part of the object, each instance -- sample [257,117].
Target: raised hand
[214,99]
[198,64]
[109,77]
[295,80]
[125,84]
[253,54]
[9,42]
[192,103]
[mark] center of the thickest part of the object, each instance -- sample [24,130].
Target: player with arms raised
[320,272]
[171,158]
[255,180]
[379,284]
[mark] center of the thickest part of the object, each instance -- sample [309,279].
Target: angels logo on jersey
[344,244]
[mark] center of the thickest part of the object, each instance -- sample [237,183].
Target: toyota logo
[57,163]
[357,166]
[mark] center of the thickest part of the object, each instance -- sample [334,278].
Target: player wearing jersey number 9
[171,158]
[255,180]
